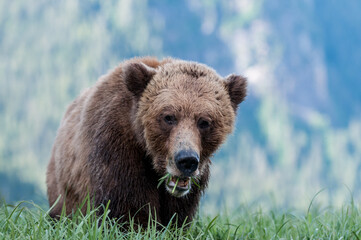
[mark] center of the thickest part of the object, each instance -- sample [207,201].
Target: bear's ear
[237,89]
[137,76]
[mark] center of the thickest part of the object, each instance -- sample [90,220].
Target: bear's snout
[187,161]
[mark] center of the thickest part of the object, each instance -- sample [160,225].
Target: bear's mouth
[177,186]
[179,183]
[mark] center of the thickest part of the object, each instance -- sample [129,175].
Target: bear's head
[183,111]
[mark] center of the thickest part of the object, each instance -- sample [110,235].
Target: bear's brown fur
[145,119]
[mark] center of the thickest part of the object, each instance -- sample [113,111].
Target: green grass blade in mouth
[162,179]
[175,184]
[195,182]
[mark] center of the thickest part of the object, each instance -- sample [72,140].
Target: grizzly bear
[145,121]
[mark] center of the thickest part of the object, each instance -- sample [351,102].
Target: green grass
[28,221]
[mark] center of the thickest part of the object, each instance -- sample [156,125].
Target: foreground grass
[29,221]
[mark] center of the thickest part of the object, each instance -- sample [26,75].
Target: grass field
[28,221]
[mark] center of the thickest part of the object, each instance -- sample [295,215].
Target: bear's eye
[170,119]
[203,124]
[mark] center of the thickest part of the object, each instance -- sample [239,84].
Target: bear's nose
[187,161]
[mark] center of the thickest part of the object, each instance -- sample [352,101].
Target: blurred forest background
[299,130]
